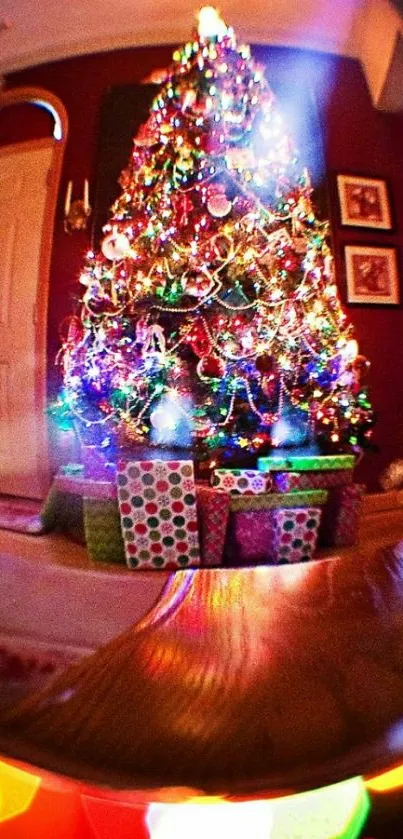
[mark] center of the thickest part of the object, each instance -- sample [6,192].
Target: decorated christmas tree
[210,318]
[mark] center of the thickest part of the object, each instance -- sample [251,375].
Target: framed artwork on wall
[372,275]
[364,202]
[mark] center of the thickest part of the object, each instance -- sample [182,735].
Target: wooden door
[25,182]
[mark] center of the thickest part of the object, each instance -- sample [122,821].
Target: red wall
[357,138]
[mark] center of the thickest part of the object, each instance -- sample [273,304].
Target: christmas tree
[210,318]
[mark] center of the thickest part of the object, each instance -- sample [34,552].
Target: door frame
[44,99]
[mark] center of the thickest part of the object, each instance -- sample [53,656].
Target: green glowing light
[336,812]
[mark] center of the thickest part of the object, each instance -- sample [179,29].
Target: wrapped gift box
[157,504]
[213,513]
[340,520]
[293,481]
[275,500]
[275,536]
[103,534]
[305,463]
[295,534]
[273,528]
[249,537]
[241,481]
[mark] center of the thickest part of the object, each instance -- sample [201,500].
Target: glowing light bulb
[210,23]
[350,350]
[171,419]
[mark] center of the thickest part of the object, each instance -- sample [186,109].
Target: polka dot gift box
[295,533]
[157,505]
[241,481]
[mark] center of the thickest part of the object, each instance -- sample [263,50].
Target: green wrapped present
[63,512]
[306,463]
[103,534]
[275,500]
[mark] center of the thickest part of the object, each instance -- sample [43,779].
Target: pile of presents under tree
[153,514]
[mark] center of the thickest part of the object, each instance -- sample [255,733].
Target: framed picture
[364,202]
[372,275]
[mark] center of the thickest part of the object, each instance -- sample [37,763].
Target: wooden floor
[378,529]
[46,597]
[52,548]
[381,525]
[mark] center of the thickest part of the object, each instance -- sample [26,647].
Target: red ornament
[269,386]
[140,222]
[361,366]
[297,394]
[115,332]
[262,439]
[211,367]
[199,340]
[105,407]
[198,286]
[218,204]
[264,363]
[289,261]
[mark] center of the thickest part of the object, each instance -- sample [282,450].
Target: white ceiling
[43,30]
[37,31]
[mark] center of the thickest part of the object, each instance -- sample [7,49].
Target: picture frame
[364,202]
[372,275]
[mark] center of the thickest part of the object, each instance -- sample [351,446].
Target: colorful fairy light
[213,258]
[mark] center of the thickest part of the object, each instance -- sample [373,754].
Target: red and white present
[295,534]
[341,516]
[242,481]
[294,481]
[213,510]
[275,536]
[157,504]
[256,525]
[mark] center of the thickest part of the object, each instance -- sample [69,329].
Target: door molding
[39,97]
